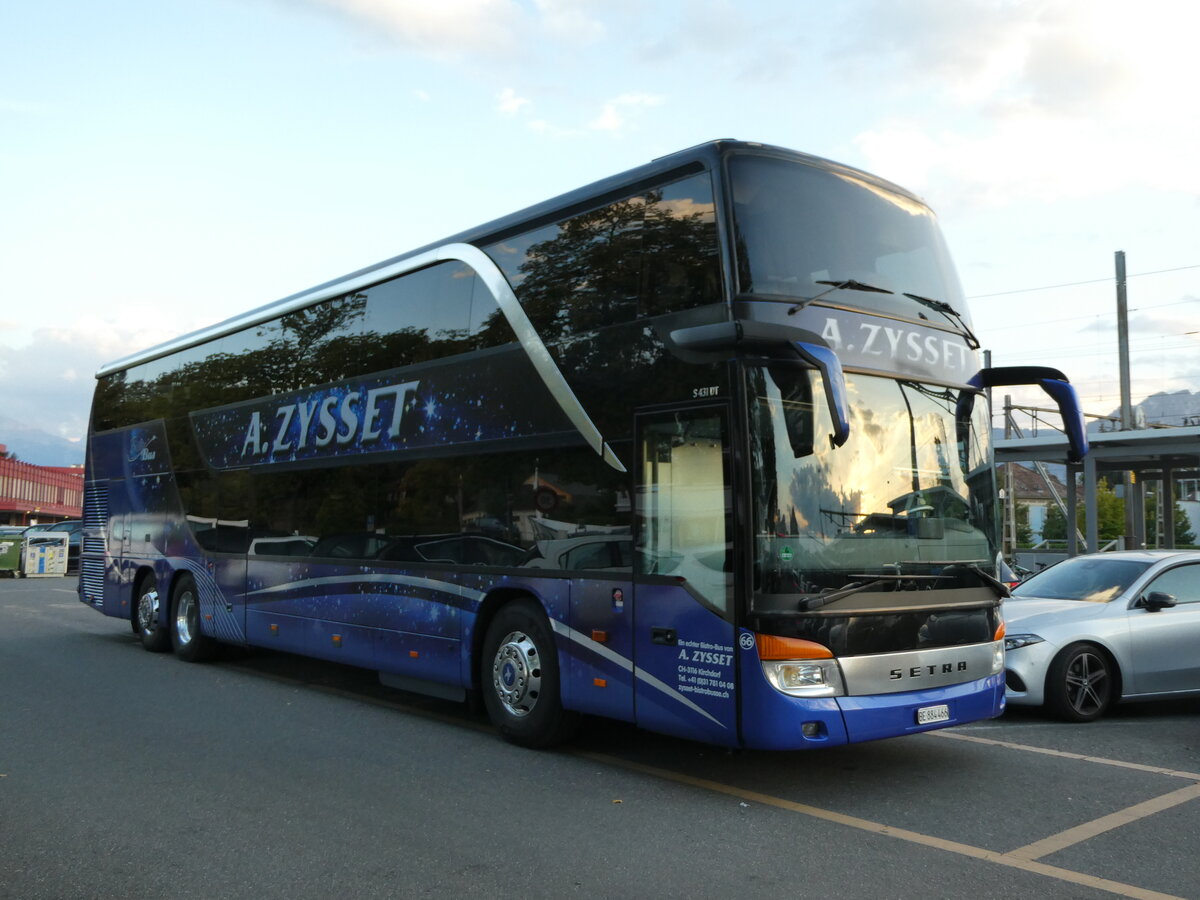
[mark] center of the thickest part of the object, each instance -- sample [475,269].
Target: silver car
[1104,628]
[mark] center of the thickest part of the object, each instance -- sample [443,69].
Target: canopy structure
[1151,454]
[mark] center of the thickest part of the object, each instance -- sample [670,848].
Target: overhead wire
[1051,287]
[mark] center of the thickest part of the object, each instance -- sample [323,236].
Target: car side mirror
[1157,600]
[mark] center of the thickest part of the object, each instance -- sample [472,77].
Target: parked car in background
[1104,628]
[74,530]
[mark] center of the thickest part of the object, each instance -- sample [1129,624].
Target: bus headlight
[998,657]
[805,677]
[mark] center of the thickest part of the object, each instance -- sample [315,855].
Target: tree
[1110,511]
[1024,532]
[1183,527]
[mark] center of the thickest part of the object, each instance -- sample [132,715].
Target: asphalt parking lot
[1018,806]
[1111,807]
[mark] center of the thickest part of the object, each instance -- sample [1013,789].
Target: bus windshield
[902,497]
[801,231]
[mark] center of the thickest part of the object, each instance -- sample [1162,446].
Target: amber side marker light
[772,646]
[1000,632]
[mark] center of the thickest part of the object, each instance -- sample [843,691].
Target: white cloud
[1058,97]
[509,103]
[23,108]
[573,21]
[549,129]
[65,358]
[448,29]
[58,401]
[617,112]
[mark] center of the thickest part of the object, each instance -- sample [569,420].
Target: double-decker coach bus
[694,447]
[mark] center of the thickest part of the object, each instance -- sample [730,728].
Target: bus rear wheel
[147,622]
[186,639]
[520,678]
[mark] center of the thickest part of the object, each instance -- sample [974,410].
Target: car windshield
[1087,578]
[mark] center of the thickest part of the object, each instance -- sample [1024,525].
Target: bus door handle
[664,636]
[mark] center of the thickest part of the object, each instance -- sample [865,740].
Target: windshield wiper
[987,578]
[950,313]
[848,285]
[810,603]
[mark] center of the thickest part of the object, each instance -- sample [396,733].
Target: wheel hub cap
[148,610]
[184,615]
[517,674]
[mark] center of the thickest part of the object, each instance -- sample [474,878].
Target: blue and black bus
[695,447]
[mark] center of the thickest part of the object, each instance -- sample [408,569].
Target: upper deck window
[802,229]
[646,254]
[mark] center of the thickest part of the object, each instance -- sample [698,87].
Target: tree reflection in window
[644,255]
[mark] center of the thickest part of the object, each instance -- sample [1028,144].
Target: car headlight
[805,677]
[1015,641]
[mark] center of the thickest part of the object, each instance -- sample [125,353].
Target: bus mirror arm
[1052,381]
[827,363]
[772,341]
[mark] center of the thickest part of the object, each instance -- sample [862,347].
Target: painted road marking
[1003,859]
[1062,754]
[1089,830]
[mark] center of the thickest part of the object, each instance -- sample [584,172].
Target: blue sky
[166,164]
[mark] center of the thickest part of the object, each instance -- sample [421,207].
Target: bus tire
[147,621]
[520,679]
[188,642]
[1081,683]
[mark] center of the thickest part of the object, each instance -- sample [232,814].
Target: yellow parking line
[1014,862]
[1088,830]
[1100,760]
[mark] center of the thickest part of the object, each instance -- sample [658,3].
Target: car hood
[1021,614]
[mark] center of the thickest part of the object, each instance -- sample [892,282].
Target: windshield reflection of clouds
[800,228]
[897,493]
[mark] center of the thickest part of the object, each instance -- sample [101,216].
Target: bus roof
[707,155]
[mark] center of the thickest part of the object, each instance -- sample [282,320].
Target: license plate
[929,714]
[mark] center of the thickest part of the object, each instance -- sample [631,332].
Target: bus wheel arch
[187,637]
[146,617]
[519,671]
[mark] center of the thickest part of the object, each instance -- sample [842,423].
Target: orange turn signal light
[772,646]
[1000,632]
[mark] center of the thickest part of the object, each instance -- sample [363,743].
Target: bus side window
[680,266]
[419,316]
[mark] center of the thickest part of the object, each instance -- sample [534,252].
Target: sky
[167,164]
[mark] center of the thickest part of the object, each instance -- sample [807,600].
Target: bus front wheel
[186,639]
[520,678]
[146,619]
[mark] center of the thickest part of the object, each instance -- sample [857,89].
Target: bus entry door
[683,585]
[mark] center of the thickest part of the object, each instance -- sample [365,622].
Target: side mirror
[827,363]
[1052,381]
[1156,600]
